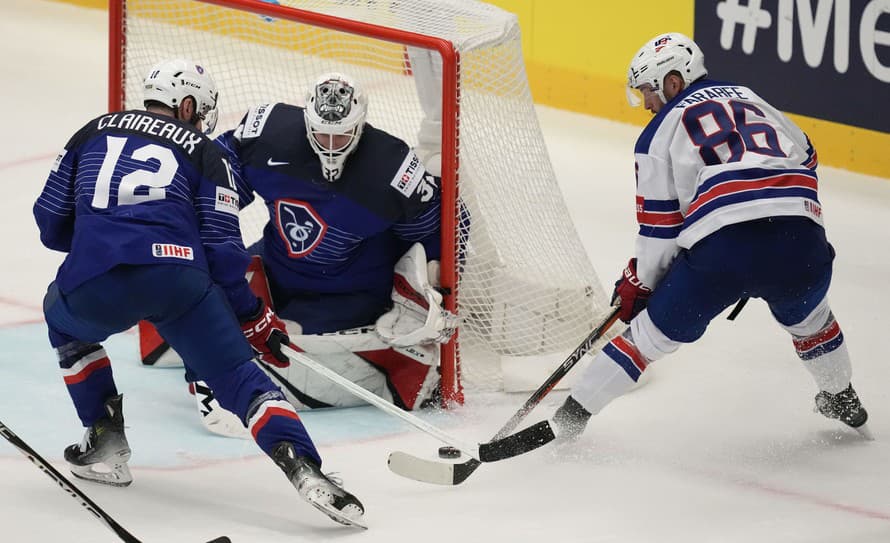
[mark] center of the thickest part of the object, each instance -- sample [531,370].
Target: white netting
[526,287]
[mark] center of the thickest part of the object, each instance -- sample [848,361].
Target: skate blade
[865,432]
[112,475]
[351,515]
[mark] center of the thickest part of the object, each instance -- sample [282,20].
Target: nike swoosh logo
[271,162]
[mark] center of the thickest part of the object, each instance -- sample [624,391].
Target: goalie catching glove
[266,334]
[417,316]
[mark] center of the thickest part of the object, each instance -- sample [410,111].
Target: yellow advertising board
[577,53]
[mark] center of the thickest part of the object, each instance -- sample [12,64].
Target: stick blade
[521,442]
[451,474]
[420,469]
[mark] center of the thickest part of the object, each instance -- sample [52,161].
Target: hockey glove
[266,334]
[632,293]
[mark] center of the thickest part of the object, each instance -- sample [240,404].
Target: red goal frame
[452,390]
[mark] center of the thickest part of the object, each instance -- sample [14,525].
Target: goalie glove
[417,316]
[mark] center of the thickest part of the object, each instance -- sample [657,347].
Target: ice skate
[570,420]
[103,454]
[318,489]
[845,407]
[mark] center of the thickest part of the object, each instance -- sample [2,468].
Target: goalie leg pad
[337,351]
[153,350]
[216,419]
[412,373]
[405,376]
[308,390]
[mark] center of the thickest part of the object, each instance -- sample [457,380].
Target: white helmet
[172,81]
[660,56]
[335,106]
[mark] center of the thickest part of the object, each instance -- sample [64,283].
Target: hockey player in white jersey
[728,208]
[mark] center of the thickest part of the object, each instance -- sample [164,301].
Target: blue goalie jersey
[143,189]
[334,237]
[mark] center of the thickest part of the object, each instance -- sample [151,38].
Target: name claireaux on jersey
[176,133]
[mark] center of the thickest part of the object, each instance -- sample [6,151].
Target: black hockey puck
[449,452]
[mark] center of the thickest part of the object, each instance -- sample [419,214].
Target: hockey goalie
[349,257]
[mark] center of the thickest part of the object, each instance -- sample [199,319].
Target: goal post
[513,266]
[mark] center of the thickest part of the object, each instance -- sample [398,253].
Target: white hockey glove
[417,316]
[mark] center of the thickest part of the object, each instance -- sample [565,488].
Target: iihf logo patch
[169,250]
[299,226]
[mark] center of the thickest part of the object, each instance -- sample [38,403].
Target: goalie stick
[72,490]
[450,473]
[505,446]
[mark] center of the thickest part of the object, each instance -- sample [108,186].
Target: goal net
[443,74]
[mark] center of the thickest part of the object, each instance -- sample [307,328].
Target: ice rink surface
[722,446]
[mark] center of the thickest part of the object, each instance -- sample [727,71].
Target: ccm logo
[259,326]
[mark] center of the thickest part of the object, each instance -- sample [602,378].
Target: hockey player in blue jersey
[145,205]
[351,248]
[351,208]
[728,209]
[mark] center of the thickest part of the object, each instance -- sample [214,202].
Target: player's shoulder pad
[269,120]
[393,155]
[87,131]
[408,178]
[254,121]
[217,170]
[74,142]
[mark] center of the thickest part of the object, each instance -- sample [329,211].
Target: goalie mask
[660,56]
[172,81]
[335,116]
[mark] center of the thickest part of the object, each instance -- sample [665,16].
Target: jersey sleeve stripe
[660,232]
[659,218]
[812,160]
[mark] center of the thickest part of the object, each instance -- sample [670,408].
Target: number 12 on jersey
[156,181]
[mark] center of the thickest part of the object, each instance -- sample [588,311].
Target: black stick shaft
[557,375]
[465,469]
[66,485]
[72,490]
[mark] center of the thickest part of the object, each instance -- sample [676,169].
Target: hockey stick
[72,490]
[506,446]
[737,309]
[449,473]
